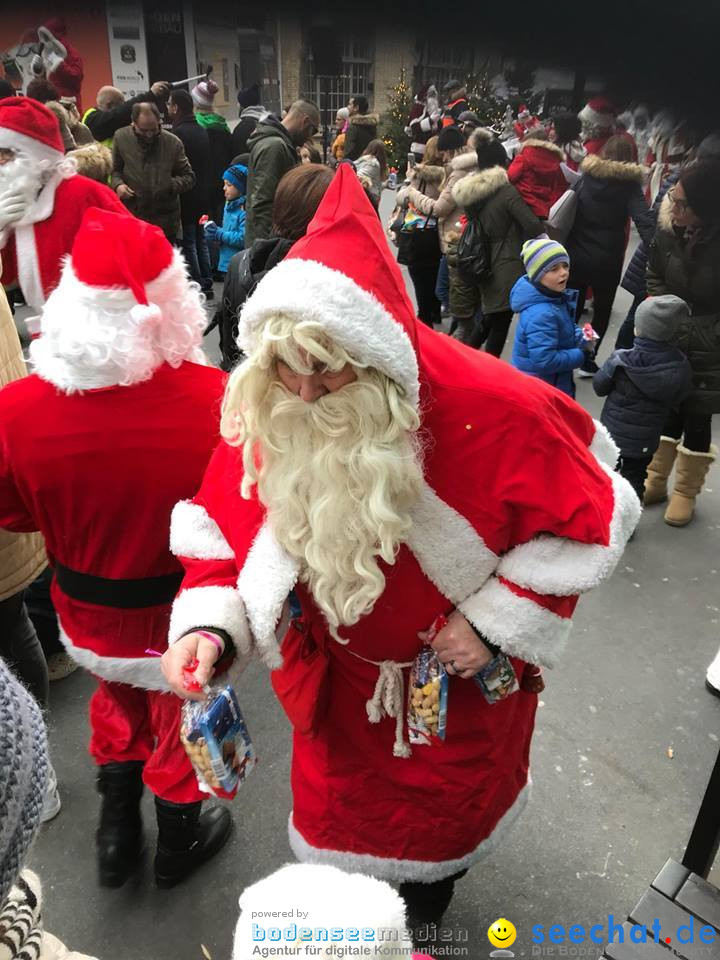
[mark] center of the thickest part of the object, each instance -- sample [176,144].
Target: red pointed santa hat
[342,275]
[598,112]
[30,129]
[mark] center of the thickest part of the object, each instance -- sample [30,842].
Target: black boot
[119,837]
[186,839]
[425,906]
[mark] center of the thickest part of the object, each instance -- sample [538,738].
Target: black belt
[126,594]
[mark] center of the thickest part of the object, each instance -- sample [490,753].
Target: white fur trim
[448,548]
[352,316]
[713,673]
[423,871]
[29,146]
[561,567]
[194,534]
[144,672]
[28,266]
[519,626]
[603,447]
[210,606]
[267,577]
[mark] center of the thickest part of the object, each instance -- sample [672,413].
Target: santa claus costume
[599,124]
[520,511]
[63,64]
[42,200]
[116,424]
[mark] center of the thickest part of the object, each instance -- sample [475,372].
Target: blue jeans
[197,256]
[442,285]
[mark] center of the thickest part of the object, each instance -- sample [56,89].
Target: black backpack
[473,253]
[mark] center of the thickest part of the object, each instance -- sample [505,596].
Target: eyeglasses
[677,201]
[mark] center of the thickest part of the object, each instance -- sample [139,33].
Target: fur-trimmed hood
[463,162]
[429,172]
[544,145]
[603,169]
[479,186]
[664,219]
[365,119]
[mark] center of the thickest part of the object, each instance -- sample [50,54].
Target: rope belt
[388,699]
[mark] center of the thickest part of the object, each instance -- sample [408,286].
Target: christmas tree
[483,100]
[393,123]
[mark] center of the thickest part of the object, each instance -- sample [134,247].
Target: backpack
[474,262]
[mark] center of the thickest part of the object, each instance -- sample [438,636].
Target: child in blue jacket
[231,236]
[548,343]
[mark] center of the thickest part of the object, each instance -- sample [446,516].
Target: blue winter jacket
[232,233]
[547,339]
[642,386]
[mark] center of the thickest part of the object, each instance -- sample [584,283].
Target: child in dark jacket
[548,343]
[644,384]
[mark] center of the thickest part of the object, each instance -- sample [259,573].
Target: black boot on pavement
[119,837]
[186,839]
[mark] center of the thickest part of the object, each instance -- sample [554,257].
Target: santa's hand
[37,66]
[178,657]
[125,192]
[459,648]
[13,205]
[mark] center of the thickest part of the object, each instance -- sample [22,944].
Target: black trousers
[20,647]
[424,278]
[426,903]
[494,333]
[603,299]
[634,469]
[42,613]
[694,429]
[626,333]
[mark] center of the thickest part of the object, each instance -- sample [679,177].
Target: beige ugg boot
[659,470]
[690,472]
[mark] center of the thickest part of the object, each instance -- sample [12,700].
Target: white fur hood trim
[365,119]
[479,186]
[664,220]
[467,160]
[352,316]
[604,169]
[544,145]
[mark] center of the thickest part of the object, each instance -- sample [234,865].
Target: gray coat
[507,222]
[158,174]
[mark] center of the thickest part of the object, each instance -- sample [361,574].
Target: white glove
[37,67]
[13,205]
[53,52]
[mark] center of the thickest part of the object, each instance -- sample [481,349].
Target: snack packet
[427,695]
[217,741]
[497,679]
[589,332]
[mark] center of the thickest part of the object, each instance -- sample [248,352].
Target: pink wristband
[213,638]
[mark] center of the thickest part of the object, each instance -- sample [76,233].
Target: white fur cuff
[519,626]
[194,534]
[211,607]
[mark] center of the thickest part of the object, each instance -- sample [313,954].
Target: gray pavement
[609,803]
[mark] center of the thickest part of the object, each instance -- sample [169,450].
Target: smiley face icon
[502,933]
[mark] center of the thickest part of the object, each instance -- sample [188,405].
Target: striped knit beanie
[24,766]
[204,93]
[542,254]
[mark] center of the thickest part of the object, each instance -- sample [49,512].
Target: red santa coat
[536,173]
[98,473]
[32,256]
[521,512]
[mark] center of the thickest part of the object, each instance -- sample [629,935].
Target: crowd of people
[306,505]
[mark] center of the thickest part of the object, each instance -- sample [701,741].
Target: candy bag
[217,741]
[427,695]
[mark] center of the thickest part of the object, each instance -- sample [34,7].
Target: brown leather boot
[659,470]
[690,472]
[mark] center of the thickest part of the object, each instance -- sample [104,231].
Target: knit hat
[31,129]
[24,765]
[701,183]
[659,318]
[236,174]
[450,138]
[248,97]
[316,897]
[469,116]
[490,152]
[342,275]
[204,93]
[542,254]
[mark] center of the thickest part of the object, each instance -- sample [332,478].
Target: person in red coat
[389,475]
[42,199]
[63,64]
[599,123]
[537,174]
[118,422]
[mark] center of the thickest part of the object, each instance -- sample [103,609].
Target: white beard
[339,478]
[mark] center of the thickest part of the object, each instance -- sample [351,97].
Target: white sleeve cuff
[209,607]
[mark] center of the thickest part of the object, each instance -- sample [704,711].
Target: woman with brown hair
[609,191]
[372,169]
[297,198]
